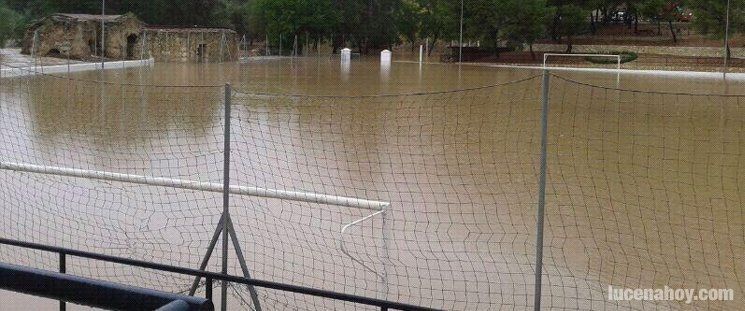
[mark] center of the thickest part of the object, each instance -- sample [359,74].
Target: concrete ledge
[10,72]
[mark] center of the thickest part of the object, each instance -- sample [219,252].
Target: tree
[711,17]
[485,19]
[235,15]
[439,20]
[525,22]
[568,20]
[407,21]
[9,20]
[378,25]
[291,18]
[663,11]
[20,13]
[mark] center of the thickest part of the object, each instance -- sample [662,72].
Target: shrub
[626,57]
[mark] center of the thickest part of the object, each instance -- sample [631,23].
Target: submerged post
[618,72]
[385,65]
[421,54]
[294,47]
[226,196]
[346,63]
[541,192]
[385,58]
[460,41]
[103,30]
[346,55]
[726,42]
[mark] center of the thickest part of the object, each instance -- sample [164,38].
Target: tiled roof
[89,17]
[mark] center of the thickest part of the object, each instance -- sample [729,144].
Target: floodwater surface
[644,186]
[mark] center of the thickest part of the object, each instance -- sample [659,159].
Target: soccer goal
[616,57]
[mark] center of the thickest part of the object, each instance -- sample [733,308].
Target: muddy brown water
[644,189]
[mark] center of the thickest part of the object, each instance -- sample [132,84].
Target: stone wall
[78,36]
[189,44]
[121,39]
[65,37]
[662,50]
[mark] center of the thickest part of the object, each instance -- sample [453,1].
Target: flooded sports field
[411,183]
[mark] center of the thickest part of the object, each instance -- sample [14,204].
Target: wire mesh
[371,147]
[442,160]
[644,189]
[142,130]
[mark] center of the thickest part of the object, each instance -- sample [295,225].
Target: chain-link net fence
[643,190]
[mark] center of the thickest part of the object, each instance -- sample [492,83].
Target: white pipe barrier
[198,185]
[34,70]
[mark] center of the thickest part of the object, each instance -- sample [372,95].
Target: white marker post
[421,54]
[346,55]
[385,57]
[346,63]
[385,65]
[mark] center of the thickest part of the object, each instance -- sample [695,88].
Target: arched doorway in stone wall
[131,42]
[93,49]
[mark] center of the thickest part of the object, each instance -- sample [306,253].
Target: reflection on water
[644,189]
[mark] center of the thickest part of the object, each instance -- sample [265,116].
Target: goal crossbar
[299,196]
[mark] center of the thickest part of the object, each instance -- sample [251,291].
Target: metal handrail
[210,276]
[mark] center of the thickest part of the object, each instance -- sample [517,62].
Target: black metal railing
[210,277]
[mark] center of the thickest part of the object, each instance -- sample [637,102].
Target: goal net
[643,192]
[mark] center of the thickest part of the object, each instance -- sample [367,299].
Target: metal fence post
[208,289]
[62,269]
[226,196]
[726,42]
[541,192]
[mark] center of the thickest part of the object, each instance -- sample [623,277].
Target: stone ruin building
[78,36]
